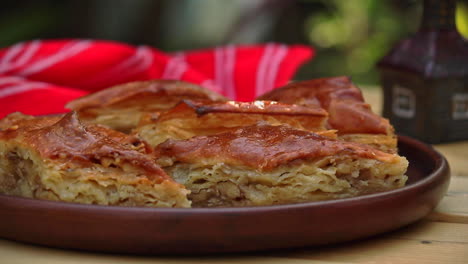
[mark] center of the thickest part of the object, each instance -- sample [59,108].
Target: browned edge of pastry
[348,113]
[134,91]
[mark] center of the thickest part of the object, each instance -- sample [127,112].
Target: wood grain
[454,207]
[457,156]
[424,242]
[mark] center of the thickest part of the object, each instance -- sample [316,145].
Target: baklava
[199,118]
[173,144]
[268,165]
[62,159]
[348,112]
[121,107]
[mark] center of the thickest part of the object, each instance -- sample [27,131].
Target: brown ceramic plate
[214,230]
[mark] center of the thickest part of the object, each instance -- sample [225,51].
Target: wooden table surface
[441,237]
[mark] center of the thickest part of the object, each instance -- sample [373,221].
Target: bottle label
[404,102]
[460,106]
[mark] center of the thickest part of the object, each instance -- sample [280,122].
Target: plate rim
[440,166]
[162,231]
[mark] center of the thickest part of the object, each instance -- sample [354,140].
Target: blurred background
[349,36]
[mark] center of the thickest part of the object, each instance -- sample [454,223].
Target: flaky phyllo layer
[187,146]
[68,161]
[201,118]
[264,165]
[62,159]
[121,107]
[348,113]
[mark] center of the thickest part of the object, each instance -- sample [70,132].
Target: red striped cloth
[40,77]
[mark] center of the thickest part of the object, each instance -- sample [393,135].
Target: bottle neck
[438,15]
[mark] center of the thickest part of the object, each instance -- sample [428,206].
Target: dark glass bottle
[425,78]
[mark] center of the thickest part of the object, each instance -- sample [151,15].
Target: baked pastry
[120,107]
[302,143]
[198,118]
[27,122]
[348,113]
[59,158]
[267,165]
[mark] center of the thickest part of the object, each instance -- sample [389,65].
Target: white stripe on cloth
[273,68]
[9,55]
[211,85]
[64,53]
[219,63]
[30,51]
[9,80]
[125,65]
[140,61]
[146,59]
[260,82]
[21,88]
[175,68]
[225,61]
[230,55]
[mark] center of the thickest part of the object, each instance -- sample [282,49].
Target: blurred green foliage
[462,18]
[350,36]
[24,20]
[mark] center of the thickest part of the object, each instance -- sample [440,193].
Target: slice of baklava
[199,118]
[59,158]
[120,107]
[267,165]
[16,120]
[348,113]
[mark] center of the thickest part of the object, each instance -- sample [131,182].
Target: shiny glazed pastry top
[66,139]
[63,159]
[348,113]
[194,118]
[121,107]
[264,147]
[143,94]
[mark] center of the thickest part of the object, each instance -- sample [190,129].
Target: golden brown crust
[262,147]
[315,115]
[68,140]
[197,118]
[259,140]
[255,107]
[16,120]
[348,113]
[143,93]
[121,107]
